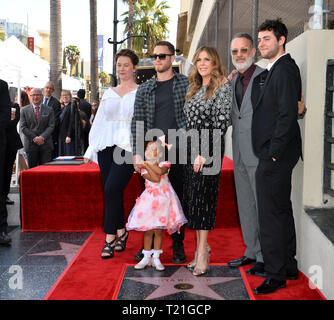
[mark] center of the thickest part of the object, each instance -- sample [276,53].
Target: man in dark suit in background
[52,102]
[4,121]
[37,124]
[277,143]
[84,105]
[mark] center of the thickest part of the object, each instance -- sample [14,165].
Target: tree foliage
[72,54]
[150,20]
[104,78]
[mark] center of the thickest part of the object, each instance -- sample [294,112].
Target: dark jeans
[176,179]
[175,175]
[115,178]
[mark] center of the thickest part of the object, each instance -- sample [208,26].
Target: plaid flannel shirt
[144,108]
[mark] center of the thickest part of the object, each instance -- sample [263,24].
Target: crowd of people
[39,128]
[171,130]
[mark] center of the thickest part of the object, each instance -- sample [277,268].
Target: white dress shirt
[270,65]
[112,123]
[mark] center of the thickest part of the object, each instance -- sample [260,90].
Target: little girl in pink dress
[157,208]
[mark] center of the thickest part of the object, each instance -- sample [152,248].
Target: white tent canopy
[22,68]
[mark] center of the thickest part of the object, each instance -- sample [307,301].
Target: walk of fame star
[183,280]
[68,250]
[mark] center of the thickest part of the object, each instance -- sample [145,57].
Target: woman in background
[70,127]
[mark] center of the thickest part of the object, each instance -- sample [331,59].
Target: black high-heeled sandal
[121,242]
[108,249]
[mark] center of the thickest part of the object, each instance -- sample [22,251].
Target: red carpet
[91,278]
[88,277]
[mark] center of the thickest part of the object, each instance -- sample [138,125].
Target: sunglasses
[161,56]
[242,50]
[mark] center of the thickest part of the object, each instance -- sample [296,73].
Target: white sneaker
[146,261]
[156,263]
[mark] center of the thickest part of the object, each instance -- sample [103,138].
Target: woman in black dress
[207,110]
[70,127]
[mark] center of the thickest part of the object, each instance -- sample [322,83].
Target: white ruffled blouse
[112,123]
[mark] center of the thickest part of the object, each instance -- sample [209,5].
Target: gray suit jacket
[32,129]
[242,124]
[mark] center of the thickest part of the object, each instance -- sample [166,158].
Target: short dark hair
[128,53]
[171,48]
[81,93]
[277,27]
[244,35]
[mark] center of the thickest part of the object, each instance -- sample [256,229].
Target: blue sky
[75,19]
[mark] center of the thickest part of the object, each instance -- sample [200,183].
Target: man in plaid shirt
[159,105]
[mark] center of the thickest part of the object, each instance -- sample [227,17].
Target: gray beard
[245,65]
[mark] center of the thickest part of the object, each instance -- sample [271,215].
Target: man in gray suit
[244,159]
[37,124]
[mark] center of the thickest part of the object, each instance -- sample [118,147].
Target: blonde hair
[217,75]
[65,91]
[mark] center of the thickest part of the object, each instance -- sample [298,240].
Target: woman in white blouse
[109,145]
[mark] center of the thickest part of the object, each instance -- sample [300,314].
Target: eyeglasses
[35,95]
[242,50]
[161,56]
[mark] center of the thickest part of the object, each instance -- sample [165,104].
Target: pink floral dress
[158,207]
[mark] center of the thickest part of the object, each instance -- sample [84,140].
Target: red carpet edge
[68,267]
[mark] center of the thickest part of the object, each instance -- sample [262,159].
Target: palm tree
[56,46]
[104,78]
[150,20]
[72,53]
[94,78]
[131,4]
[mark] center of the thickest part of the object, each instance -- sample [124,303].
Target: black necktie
[239,88]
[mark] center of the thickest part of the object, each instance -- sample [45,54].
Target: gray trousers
[244,177]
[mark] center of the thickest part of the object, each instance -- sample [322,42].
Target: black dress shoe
[243,261]
[8,201]
[4,239]
[292,275]
[269,286]
[179,255]
[257,270]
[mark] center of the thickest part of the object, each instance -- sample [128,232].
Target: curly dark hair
[127,53]
[277,27]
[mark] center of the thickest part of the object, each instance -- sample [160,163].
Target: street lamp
[114,42]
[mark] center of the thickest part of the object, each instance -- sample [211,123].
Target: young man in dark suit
[277,143]
[4,121]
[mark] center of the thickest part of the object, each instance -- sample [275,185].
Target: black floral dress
[208,121]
